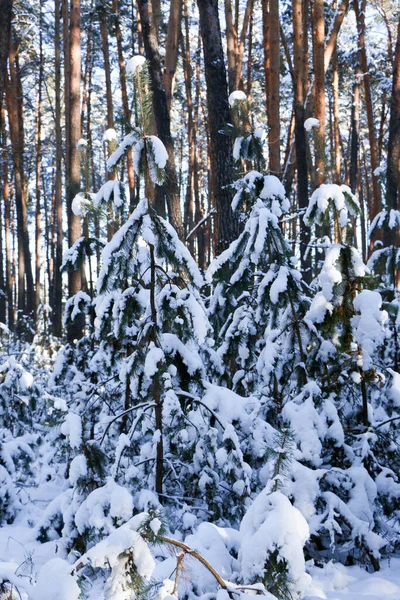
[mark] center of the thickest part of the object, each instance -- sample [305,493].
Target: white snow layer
[272,524]
[311,123]
[136,62]
[236,96]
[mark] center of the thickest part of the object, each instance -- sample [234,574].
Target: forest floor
[21,557]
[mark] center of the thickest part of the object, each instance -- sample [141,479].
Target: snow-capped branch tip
[82,143]
[135,63]
[110,135]
[311,123]
[237,96]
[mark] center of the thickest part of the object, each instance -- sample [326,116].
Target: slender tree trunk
[319,88]
[5,31]
[300,138]
[232,45]
[75,329]
[171,49]
[125,102]
[39,110]
[110,145]
[7,220]
[393,156]
[376,192]
[15,117]
[57,306]
[355,132]
[107,69]
[162,118]
[242,41]
[336,130]
[218,116]
[188,74]
[271,29]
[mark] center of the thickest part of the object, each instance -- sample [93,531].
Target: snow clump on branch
[134,63]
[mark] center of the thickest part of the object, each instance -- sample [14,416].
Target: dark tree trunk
[218,116]
[15,118]
[393,157]
[300,137]
[163,123]
[57,304]
[5,30]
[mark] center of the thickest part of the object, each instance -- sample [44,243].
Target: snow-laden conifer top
[236,96]
[110,135]
[311,123]
[136,62]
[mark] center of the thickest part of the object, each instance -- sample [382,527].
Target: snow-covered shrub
[273,533]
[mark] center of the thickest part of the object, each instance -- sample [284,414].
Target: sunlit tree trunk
[319,88]
[73,75]
[171,49]
[271,34]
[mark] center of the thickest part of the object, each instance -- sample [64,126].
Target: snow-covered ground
[336,582]
[22,556]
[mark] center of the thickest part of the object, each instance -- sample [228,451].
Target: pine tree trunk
[73,74]
[39,110]
[171,49]
[5,31]
[393,155]
[162,118]
[57,305]
[232,45]
[188,75]
[7,220]
[355,132]
[336,159]
[272,76]
[218,116]
[242,41]
[360,17]
[107,69]
[15,117]
[125,102]
[300,138]
[319,88]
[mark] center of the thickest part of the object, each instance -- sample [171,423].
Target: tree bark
[39,110]
[376,192]
[272,59]
[5,31]
[319,88]
[57,304]
[75,329]
[393,156]
[15,117]
[171,49]
[300,138]
[7,221]
[218,116]
[125,102]
[170,188]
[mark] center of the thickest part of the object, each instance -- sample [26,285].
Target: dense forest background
[199,309]
[64,79]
